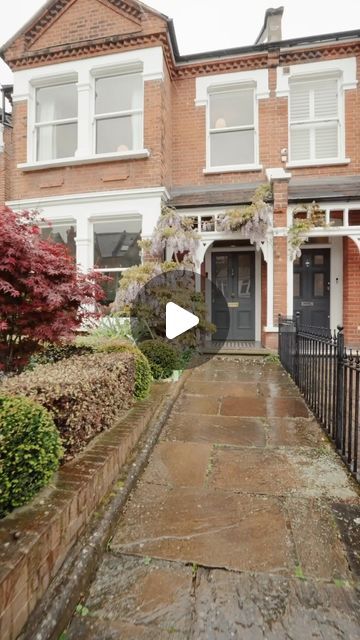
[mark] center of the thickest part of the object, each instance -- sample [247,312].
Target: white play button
[178,320]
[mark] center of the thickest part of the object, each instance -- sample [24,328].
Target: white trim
[344,69]
[318,163]
[151,58]
[90,198]
[86,209]
[277,173]
[99,158]
[259,77]
[106,70]
[26,81]
[233,168]
[2,146]
[270,291]
[345,66]
[208,270]
[206,86]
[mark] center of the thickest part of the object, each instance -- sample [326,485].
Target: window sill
[317,163]
[68,162]
[233,169]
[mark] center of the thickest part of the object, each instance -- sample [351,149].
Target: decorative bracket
[202,249]
[266,248]
[356,239]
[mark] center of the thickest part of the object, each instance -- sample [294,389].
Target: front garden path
[242,526]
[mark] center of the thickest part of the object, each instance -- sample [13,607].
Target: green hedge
[30,450]
[51,353]
[163,358]
[84,394]
[143,375]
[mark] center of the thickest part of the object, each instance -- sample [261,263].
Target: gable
[73,21]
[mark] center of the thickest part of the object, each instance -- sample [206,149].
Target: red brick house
[109,122]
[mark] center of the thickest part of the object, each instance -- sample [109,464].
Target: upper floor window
[315,121]
[119,113]
[232,128]
[56,121]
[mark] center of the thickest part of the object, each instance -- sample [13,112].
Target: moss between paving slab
[55,610]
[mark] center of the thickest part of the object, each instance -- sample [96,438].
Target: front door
[233,273]
[312,287]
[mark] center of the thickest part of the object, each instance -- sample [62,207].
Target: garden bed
[35,539]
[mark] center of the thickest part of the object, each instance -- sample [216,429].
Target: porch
[322,284]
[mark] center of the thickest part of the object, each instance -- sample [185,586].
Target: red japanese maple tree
[43,294]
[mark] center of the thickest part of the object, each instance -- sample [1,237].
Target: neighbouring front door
[233,273]
[312,287]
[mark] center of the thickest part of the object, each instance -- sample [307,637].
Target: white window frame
[54,81]
[108,219]
[83,72]
[223,89]
[312,122]
[259,78]
[135,68]
[344,68]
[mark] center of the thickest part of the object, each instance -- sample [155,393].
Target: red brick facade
[175,126]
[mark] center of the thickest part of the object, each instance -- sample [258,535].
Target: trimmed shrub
[162,357]
[56,352]
[84,394]
[30,450]
[143,375]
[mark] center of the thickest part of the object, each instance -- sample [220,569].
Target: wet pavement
[245,524]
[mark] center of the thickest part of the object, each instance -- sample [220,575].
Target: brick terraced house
[109,122]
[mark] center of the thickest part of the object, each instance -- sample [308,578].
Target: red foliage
[43,294]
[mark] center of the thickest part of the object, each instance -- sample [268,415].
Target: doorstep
[236,348]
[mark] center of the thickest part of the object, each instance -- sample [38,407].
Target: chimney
[271,30]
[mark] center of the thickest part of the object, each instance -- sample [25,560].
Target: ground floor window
[62,233]
[115,249]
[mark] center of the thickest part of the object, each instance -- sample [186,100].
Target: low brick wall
[35,540]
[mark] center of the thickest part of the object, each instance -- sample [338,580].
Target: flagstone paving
[245,524]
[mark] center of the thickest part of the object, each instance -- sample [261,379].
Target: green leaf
[339,582]
[299,572]
[147,560]
[82,610]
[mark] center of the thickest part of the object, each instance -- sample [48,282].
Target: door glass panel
[244,276]
[296,285]
[319,285]
[319,260]
[221,274]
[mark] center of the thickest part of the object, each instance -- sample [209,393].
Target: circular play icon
[176,307]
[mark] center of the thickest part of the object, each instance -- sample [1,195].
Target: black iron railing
[328,376]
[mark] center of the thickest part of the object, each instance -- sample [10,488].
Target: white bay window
[315,121]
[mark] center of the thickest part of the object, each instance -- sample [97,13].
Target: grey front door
[312,287]
[233,273]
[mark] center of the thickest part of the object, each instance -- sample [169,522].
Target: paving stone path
[245,523]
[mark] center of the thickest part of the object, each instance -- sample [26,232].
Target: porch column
[277,264]
[84,244]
